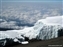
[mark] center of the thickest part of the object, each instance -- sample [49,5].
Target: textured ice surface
[45,28]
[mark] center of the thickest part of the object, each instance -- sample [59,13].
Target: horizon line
[31,1]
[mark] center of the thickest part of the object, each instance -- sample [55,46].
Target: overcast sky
[33,0]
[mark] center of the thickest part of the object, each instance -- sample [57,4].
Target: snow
[10,34]
[15,40]
[56,20]
[25,42]
[43,29]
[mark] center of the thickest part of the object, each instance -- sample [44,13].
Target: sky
[32,0]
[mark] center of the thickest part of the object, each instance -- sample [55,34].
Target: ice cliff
[45,28]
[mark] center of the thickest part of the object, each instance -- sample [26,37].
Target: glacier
[43,29]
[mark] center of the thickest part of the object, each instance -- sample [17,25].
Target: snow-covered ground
[42,29]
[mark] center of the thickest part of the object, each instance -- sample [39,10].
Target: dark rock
[60,32]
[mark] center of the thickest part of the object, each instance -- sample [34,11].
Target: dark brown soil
[57,42]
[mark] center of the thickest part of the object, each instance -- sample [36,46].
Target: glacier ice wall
[48,28]
[48,32]
[44,28]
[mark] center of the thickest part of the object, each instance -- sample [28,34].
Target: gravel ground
[57,42]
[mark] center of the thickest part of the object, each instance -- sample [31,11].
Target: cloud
[13,15]
[10,25]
